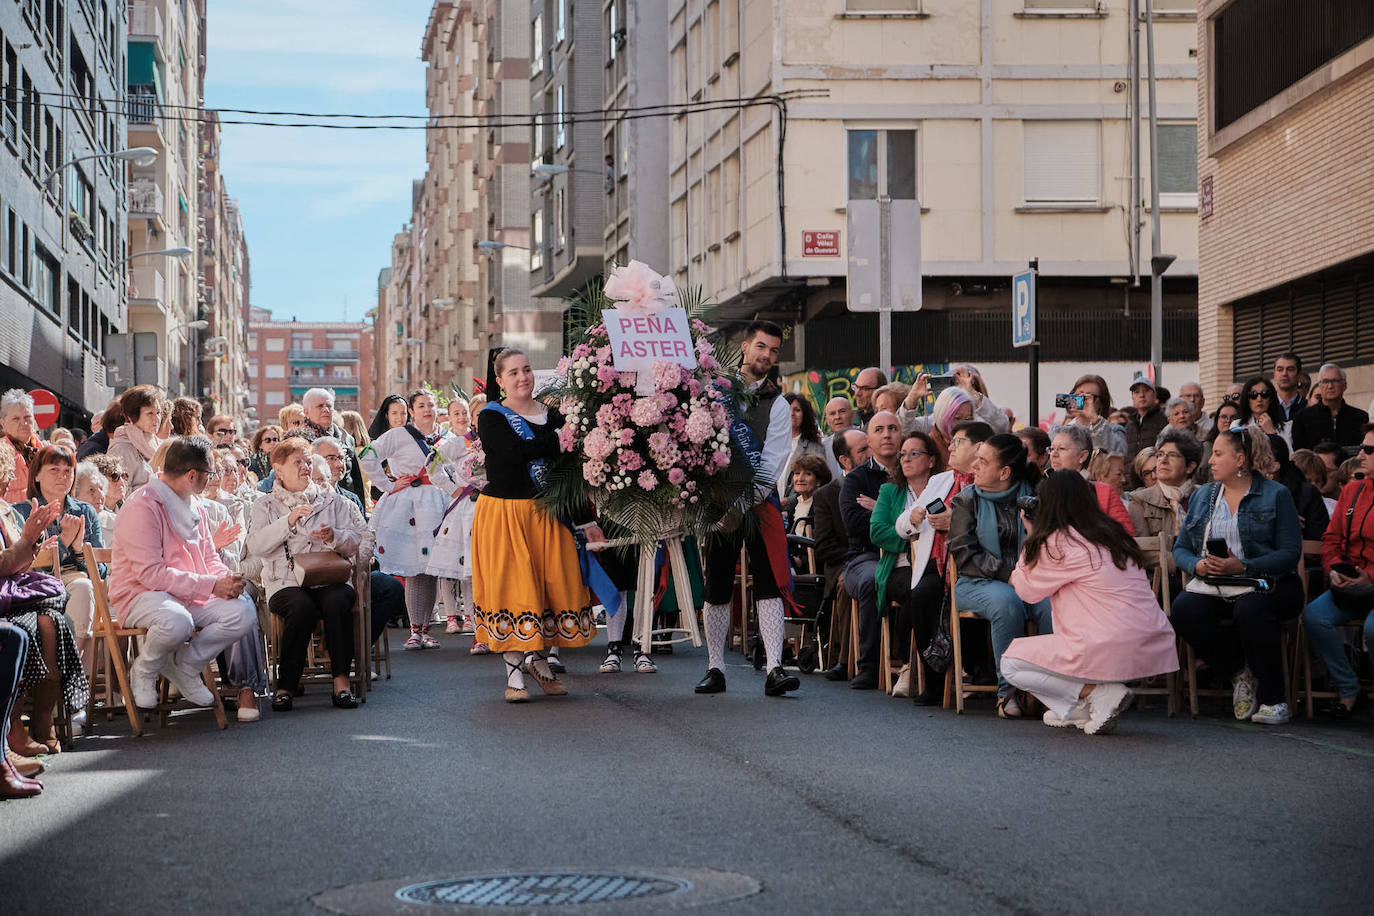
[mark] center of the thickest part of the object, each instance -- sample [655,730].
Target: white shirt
[777,445]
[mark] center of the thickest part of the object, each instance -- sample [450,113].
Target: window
[882,163]
[1177,165]
[277,371]
[253,369]
[1061,162]
[889,6]
[47,282]
[537,46]
[537,240]
[560,235]
[729,31]
[560,133]
[612,40]
[274,398]
[252,341]
[562,7]
[1054,5]
[343,344]
[276,345]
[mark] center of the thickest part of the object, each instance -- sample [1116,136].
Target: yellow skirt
[527,588]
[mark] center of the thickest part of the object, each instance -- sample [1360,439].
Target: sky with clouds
[319,207]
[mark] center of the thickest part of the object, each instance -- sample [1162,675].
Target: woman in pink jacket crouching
[1108,627]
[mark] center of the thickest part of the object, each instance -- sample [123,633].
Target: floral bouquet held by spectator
[652,447]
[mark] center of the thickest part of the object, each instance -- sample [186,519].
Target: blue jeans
[997,603]
[14,647]
[1320,619]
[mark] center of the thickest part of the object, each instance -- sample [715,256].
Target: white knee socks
[717,620]
[615,623]
[515,678]
[420,591]
[770,628]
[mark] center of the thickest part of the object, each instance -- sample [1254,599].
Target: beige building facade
[1286,231]
[224,286]
[1006,122]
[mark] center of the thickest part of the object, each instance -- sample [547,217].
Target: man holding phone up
[166,576]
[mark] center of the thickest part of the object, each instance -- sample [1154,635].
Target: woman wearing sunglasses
[264,440]
[1259,406]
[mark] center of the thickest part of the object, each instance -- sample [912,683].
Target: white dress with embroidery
[449,559]
[404,519]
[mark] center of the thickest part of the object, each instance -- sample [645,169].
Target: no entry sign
[45,407]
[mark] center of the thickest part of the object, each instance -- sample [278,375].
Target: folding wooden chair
[890,666]
[316,671]
[1159,558]
[381,653]
[1302,657]
[108,635]
[954,677]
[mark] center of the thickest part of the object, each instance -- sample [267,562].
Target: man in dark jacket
[850,450]
[98,444]
[1333,420]
[858,496]
[1145,426]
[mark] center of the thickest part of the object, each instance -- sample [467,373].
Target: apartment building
[288,358]
[222,362]
[1001,131]
[62,221]
[568,215]
[1286,220]
[166,79]
[635,160]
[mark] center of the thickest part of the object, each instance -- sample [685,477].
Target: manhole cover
[550,889]
[600,889]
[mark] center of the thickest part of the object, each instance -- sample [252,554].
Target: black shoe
[281,702]
[713,682]
[864,680]
[1337,711]
[779,682]
[344,700]
[555,665]
[836,673]
[928,698]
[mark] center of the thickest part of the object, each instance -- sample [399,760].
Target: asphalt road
[833,800]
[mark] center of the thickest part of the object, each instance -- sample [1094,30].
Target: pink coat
[1107,624]
[149,556]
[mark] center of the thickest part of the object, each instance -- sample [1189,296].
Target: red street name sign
[820,243]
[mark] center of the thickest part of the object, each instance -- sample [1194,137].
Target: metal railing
[145,197]
[146,283]
[143,106]
[332,355]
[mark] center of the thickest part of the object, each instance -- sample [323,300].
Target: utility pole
[1159,262]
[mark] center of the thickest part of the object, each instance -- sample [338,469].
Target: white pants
[222,622]
[1058,692]
[81,609]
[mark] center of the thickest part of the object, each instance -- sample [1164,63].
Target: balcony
[145,23]
[146,287]
[145,198]
[144,108]
[328,356]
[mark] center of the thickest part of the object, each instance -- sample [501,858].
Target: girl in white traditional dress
[450,560]
[409,462]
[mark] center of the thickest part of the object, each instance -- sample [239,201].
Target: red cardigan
[1360,552]
[1112,504]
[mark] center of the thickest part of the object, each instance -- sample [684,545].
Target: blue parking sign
[1023,309]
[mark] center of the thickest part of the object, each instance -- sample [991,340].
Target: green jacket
[882,529]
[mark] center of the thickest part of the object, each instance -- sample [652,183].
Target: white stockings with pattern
[717,620]
[615,623]
[770,628]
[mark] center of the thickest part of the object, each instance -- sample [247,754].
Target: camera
[938,383]
[1028,505]
[1070,400]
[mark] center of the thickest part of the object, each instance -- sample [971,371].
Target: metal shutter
[1060,161]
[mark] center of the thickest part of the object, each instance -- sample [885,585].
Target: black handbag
[940,653]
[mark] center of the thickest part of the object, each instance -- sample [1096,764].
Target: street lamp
[545,171]
[139,156]
[182,253]
[486,246]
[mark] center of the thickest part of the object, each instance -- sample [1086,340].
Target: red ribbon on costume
[413,480]
[774,534]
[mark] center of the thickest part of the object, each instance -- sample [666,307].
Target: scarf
[147,445]
[182,512]
[291,500]
[987,516]
[1178,500]
[26,450]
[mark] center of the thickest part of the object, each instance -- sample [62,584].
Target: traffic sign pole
[1023,329]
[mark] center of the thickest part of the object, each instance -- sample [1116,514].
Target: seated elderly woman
[1107,627]
[137,441]
[1241,524]
[52,478]
[91,488]
[299,517]
[1144,466]
[1071,446]
[19,439]
[1179,412]
[809,474]
[34,603]
[1162,505]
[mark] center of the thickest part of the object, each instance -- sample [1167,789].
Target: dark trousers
[858,581]
[388,601]
[722,555]
[920,610]
[301,609]
[14,647]
[1252,639]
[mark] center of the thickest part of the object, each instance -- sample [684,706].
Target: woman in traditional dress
[527,583]
[408,462]
[450,561]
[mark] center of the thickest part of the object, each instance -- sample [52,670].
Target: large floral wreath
[654,460]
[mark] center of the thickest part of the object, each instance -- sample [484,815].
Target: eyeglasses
[1257,393]
[213,475]
[1061,449]
[226,431]
[865,387]
[1168,456]
[1367,449]
[1330,381]
[333,458]
[912,454]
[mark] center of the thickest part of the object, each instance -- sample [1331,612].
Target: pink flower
[627,436]
[562,367]
[699,426]
[603,354]
[598,444]
[647,480]
[606,374]
[659,442]
[694,388]
[594,472]
[606,417]
[628,379]
[708,362]
[581,351]
[676,476]
[639,289]
[666,376]
[721,458]
[629,461]
[566,439]
[646,412]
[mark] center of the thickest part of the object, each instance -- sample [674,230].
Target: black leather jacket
[969,556]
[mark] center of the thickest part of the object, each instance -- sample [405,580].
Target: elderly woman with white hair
[20,439]
[970,381]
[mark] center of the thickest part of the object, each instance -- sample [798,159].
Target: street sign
[884,248]
[820,243]
[45,407]
[1023,309]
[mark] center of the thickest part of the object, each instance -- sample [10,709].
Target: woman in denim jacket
[1259,522]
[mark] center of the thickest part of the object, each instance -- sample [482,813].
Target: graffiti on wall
[820,385]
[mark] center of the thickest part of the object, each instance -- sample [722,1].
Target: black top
[1316,424]
[865,480]
[508,475]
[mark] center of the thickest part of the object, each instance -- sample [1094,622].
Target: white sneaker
[191,687]
[1275,714]
[1243,695]
[78,722]
[1105,705]
[1078,717]
[249,713]
[644,664]
[143,687]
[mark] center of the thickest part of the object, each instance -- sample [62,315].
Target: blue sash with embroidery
[593,576]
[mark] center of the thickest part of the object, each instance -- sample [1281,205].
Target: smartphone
[1217,547]
[1070,400]
[1346,569]
[935,507]
[939,383]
